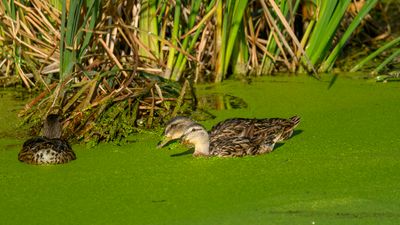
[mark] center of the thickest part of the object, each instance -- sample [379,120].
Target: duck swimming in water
[232,137]
[175,129]
[49,148]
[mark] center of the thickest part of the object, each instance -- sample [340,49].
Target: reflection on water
[19,96]
[220,102]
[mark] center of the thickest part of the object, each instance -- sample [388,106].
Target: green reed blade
[191,21]
[328,63]
[325,29]
[232,20]
[92,13]
[174,39]
[375,53]
[68,46]
[239,8]
[9,8]
[209,12]
[148,25]
[393,56]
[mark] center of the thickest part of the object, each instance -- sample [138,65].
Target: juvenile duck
[235,137]
[49,148]
[174,129]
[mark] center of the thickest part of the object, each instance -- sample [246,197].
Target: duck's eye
[195,129]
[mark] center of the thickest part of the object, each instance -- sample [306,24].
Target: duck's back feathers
[261,128]
[42,150]
[240,146]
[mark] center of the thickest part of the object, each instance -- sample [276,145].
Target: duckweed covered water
[341,167]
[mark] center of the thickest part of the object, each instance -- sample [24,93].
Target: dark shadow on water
[333,80]
[220,102]
[187,152]
[297,132]
[159,201]
[11,147]
[278,145]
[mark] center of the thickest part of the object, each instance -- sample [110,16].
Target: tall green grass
[174,38]
[76,32]
[190,40]
[148,26]
[328,19]
[231,21]
[374,54]
[328,63]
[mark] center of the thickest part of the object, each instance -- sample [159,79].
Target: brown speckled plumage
[49,149]
[254,128]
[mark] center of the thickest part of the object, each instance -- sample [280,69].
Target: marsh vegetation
[110,67]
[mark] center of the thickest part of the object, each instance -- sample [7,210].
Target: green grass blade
[69,50]
[209,11]
[10,8]
[232,20]
[328,63]
[240,54]
[320,41]
[92,13]
[174,40]
[219,67]
[62,39]
[375,53]
[218,37]
[57,4]
[148,25]
[238,13]
[386,61]
[180,60]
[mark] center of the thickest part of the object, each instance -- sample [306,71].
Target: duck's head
[198,136]
[52,126]
[175,129]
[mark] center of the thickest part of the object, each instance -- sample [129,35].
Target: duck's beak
[163,142]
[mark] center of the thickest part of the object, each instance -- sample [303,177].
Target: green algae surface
[341,167]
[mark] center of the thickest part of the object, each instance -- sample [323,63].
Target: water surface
[342,167]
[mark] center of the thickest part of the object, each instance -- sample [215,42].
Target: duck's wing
[264,127]
[241,146]
[288,126]
[233,147]
[268,143]
[253,128]
[235,127]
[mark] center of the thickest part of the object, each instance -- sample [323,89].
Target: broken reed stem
[180,99]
